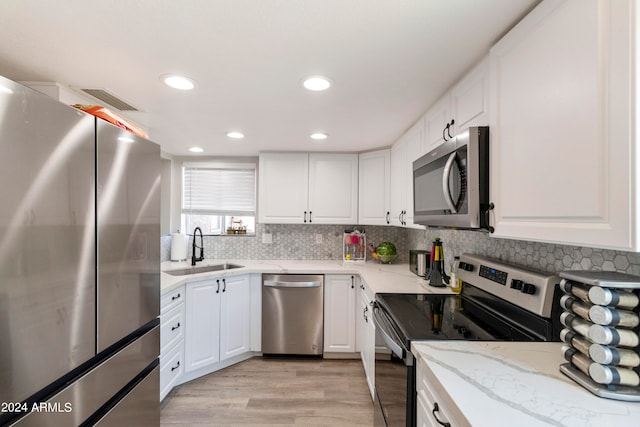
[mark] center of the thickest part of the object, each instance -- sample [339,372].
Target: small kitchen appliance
[451,183]
[499,302]
[418,261]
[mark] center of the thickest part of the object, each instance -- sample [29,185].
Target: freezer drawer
[292,314]
[75,403]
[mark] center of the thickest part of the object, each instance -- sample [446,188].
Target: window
[220,198]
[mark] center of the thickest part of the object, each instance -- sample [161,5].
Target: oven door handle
[445,182]
[394,346]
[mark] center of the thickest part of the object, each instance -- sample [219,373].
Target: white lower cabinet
[172,327]
[235,317]
[366,336]
[171,368]
[218,320]
[340,313]
[434,406]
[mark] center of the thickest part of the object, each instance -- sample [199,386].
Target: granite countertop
[381,278]
[518,382]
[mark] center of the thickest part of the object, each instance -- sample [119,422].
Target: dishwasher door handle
[281,284]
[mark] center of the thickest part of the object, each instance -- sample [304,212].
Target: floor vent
[110,99]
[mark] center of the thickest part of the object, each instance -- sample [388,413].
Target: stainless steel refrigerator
[79,267]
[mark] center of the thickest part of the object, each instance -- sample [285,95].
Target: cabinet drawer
[172,325]
[171,299]
[171,368]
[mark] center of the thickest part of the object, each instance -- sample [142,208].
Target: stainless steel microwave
[451,183]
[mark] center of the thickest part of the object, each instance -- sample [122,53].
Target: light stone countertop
[381,278]
[518,384]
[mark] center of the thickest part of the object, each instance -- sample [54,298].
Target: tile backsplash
[293,241]
[299,242]
[540,256]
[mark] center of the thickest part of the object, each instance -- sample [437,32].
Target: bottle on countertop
[576,358]
[614,298]
[574,322]
[436,275]
[575,305]
[454,282]
[607,355]
[576,340]
[577,289]
[610,316]
[605,374]
[607,335]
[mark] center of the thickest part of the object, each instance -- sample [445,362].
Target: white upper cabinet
[407,149]
[466,104]
[299,188]
[374,169]
[563,105]
[283,188]
[470,99]
[333,188]
[436,119]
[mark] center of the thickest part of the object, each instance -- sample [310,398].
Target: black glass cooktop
[457,317]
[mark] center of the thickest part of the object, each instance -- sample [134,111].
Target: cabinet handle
[310,217]
[487,213]
[175,297]
[305,216]
[224,282]
[364,314]
[443,130]
[173,328]
[175,367]
[449,128]
[404,213]
[400,217]
[362,287]
[437,409]
[387,217]
[218,282]
[353,285]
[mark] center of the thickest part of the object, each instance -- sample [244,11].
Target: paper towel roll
[179,246]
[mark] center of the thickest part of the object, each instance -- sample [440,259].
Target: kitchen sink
[203,269]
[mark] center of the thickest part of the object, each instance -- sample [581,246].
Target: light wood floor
[274,392]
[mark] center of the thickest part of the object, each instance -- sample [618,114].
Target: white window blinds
[219,189]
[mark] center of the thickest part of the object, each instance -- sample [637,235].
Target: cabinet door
[562,127]
[436,119]
[333,188]
[202,339]
[470,99]
[397,162]
[339,313]
[374,185]
[283,188]
[412,151]
[235,316]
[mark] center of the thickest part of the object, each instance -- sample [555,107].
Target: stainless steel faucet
[193,247]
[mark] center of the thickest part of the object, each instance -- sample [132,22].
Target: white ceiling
[390,60]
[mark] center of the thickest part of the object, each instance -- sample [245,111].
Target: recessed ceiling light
[178,82]
[196,150]
[317,83]
[125,139]
[318,136]
[235,135]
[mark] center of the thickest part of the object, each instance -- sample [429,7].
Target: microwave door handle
[445,182]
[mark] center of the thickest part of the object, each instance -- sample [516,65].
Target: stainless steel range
[499,302]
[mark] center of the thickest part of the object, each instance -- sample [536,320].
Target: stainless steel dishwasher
[292,314]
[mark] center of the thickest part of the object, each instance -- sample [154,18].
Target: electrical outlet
[267,238]
[319,238]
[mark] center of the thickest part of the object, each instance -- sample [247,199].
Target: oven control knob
[528,288]
[516,284]
[465,266]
